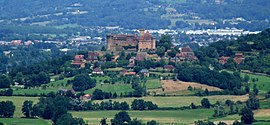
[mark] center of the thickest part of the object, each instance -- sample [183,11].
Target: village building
[127,73]
[186,54]
[16,42]
[146,41]
[118,42]
[141,56]
[145,72]
[239,58]
[168,67]
[86,97]
[93,56]
[223,60]
[97,71]
[79,61]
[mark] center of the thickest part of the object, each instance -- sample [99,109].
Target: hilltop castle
[118,42]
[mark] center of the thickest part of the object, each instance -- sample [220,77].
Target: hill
[151,14]
[256,49]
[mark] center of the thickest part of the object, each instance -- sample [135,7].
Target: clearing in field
[171,86]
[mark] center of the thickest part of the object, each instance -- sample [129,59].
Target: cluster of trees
[98,94]
[38,74]
[204,75]
[54,108]
[139,104]
[83,82]
[7,109]
[6,92]
[123,118]
[5,81]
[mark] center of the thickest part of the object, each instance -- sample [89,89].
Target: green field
[51,87]
[23,121]
[153,84]
[18,102]
[179,101]
[118,88]
[263,84]
[163,117]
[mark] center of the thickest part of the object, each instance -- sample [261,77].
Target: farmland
[163,117]
[178,101]
[18,102]
[23,121]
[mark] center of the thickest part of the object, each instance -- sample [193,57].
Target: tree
[7,109]
[83,82]
[98,94]
[121,118]
[5,81]
[160,51]
[153,122]
[247,116]
[103,121]
[27,108]
[253,103]
[103,48]
[172,53]
[67,119]
[205,103]
[193,106]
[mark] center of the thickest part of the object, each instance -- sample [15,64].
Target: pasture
[24,121]
[263,82]
[179,101]
[163,117]
[118,88]
[44,89]
[18,102]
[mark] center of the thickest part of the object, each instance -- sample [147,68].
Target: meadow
[18,102]
[53,86]
[163,117]
[263,82]
[23,121]
[179,101]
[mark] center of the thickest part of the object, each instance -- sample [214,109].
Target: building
[79,61]
[145,72]
[118,42]
[146,41]
[186,54]
[239,58]
[223,60]
[121,42]
[141,56]
[98,71]
[93,56]
[168,67]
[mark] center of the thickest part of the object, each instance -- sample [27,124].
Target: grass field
[51,87]
[18,102]
[118,88]
[163,117]
[153,84]
[23,121]
[178,101]
[263,84]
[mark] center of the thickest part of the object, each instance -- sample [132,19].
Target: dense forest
[133,14]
